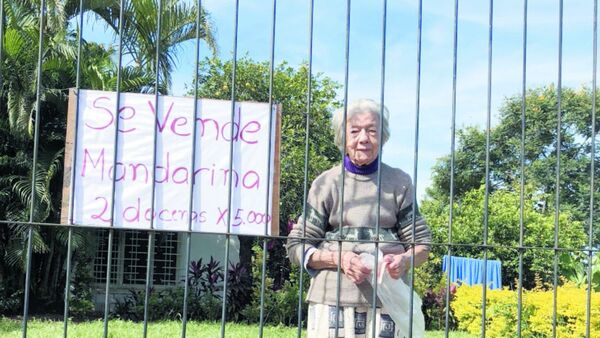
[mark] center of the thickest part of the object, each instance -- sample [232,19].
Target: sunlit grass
[121,329]
[10,328]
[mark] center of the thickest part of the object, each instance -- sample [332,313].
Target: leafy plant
[280,305]
[434,306]
[239,290]
[204,299]
[205,278]
[574,268]
[80,302]
[10,301]
[127,307]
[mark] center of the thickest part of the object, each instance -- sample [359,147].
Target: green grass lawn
[10,328]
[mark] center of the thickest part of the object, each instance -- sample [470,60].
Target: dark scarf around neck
[362,169]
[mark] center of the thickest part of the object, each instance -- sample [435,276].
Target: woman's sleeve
[311,225]
[407,214]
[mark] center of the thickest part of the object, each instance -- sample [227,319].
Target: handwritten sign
[237,195]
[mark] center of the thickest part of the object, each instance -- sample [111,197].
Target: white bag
[395,297]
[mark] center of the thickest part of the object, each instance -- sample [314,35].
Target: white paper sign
[209,182]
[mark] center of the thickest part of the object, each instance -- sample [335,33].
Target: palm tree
[18,67]
[100,72]
[18,95]
[20,64]
[178,25]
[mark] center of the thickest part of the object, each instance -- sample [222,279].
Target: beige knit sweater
[324,207]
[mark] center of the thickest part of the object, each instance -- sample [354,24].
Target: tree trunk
[246,243]
[2,268]
[45,287]
[57,272]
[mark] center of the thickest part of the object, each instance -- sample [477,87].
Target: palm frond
[79,238]
[15,256]
[19,109]
[19,14]
[16,251]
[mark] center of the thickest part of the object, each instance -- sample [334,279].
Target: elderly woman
[322,225]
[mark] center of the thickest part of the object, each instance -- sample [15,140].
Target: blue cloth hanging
[470,271]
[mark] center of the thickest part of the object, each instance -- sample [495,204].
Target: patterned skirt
[354,322]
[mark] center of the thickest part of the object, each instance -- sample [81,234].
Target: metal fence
[114,235]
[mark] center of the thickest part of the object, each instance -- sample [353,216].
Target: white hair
[357,107]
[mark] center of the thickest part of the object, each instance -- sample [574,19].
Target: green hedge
[537,312]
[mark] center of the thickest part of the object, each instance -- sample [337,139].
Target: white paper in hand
[395,297]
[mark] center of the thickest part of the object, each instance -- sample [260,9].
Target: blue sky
[291,45]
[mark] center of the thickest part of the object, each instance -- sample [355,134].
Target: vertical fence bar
[265,247]
[73,162]
[487,167]
[522,169]
[188,245]
[558,144]
[342,167]
[416,165]
[152,233]
[452,163]
[592,174]
[230,173]
[188,237]
[67,283]
[380,147]
[107,290]
[306,159]
[111,232]
[34,165]
[149,266]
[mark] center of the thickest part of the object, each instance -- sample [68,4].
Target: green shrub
[574,267]
[80,289]
[280,305]
[434,306]
[10,301]
[204,297]
[536,319]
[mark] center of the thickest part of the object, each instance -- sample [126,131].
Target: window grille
[130,258]
[101,258]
